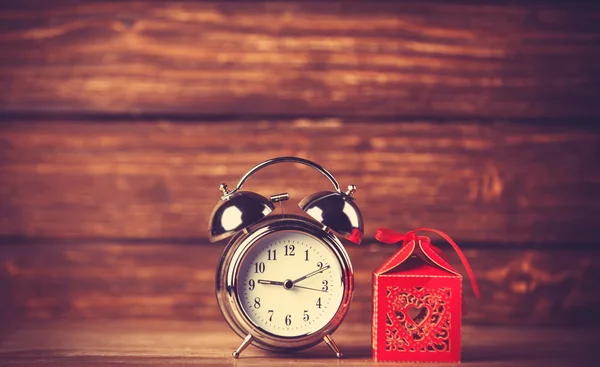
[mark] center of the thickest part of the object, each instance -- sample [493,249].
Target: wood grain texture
[166,281]
[497,183]
[166,343]
[300,58]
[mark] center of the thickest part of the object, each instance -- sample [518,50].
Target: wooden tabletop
[142,342]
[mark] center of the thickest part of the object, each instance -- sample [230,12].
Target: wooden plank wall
[120,120]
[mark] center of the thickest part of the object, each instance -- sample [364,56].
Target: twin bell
[238,210]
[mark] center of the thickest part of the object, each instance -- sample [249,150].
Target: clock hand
[312,289]
[269,282]
[311,274]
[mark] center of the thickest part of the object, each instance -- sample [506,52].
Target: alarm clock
[285,282]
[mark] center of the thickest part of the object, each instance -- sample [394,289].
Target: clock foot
[333,346]
[245,343]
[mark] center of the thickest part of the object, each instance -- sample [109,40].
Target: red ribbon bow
[390,237]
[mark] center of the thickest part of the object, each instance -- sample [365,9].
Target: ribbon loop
[391,237]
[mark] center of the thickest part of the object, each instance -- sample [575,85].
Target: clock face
[290,284]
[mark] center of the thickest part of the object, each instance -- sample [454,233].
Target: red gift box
[417,301]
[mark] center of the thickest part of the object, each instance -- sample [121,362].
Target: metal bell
[235,212]
[239,209]
[337,211]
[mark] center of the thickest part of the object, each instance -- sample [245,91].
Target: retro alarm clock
[284,282]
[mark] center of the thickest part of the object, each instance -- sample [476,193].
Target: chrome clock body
[228,283]
[247,216]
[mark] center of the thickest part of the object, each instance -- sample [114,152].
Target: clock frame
[247,217]
[228,276]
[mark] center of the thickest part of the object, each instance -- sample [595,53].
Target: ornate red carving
[429,330]
[417,302]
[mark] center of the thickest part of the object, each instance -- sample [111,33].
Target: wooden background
[119,120]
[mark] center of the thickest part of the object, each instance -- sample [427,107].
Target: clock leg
[245,343]
[333,346]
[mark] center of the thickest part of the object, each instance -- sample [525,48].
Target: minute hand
[311,274]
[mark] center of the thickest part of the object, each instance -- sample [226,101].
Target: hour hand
[270,282]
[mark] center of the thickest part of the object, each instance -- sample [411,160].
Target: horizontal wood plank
[166,281]
[141,342]
[166,343]
[300,58]
[493,183]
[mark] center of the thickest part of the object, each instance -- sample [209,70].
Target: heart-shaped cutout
[417,315]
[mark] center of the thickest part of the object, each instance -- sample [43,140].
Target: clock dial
[290,284]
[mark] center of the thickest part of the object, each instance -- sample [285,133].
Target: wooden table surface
[143,342]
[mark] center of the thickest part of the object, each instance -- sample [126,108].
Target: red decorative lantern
[417,301]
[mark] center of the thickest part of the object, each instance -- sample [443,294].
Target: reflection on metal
[303,161]
[239,209]
[337,211]
[231,218]
[280,197]
[237,212]
[245,343]
[333,346]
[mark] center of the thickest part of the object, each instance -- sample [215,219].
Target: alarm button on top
[280,197]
